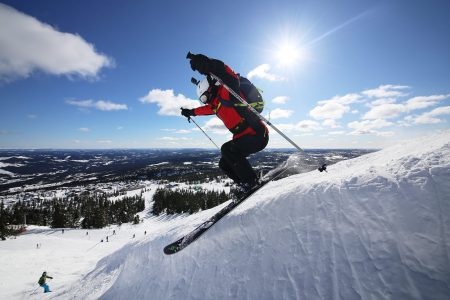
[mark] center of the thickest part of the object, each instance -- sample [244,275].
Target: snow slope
[374,227]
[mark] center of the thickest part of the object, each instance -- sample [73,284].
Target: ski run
[373,227]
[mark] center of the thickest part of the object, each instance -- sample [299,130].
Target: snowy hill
[374,227]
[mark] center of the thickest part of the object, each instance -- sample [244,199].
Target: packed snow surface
[374,227]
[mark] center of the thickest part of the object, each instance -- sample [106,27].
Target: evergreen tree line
[85,211]
[185,201]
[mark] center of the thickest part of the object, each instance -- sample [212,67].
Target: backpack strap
[256,105]
[226,103]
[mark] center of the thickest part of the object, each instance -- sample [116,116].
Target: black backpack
[251,94]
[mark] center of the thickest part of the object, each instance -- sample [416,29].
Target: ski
[186,240]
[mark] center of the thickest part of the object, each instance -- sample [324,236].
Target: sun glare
[288,54]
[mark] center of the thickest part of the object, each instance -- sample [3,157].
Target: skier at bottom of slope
[42,282]
[250,135]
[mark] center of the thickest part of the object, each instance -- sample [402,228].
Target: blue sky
[334,74]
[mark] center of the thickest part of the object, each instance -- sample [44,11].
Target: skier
[250,135]
[42,282]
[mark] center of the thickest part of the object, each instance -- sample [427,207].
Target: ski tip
[169,250]
[172,249]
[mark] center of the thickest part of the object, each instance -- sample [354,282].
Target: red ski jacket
[223,106]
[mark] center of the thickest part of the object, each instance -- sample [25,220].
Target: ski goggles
[205,97]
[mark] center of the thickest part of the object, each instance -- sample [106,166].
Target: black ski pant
[234,161]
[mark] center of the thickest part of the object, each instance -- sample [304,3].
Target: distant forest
[186,200]
[79,211]
[96,211]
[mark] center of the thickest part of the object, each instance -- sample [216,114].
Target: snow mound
[374,227]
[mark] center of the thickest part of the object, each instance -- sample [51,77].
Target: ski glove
[187,112]
[200,63]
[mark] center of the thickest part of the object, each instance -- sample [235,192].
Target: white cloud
[329,110]
[285,126]
[26,45]
[335,107]
[407,121]
[280,100]
[215,125]
[263,72]
[431,117]
[84,129]
[385,133]
[330,123]
[385,111]
[100,105]
[119,128]
[368,126]
[387,108]
[346,99]
[108,106]
[382,101]
[182,131]
[386,91]
[425,101]
[336,132]
[307,125]
[168,103]
[279,113]
[302,126]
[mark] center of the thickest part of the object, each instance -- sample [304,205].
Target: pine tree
[3,222]
[58,217]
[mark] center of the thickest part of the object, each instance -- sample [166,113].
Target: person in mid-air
[250,135]
[42,282]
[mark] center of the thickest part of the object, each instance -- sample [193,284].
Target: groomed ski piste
[374,227]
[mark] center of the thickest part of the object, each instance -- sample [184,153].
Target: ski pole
[191,119]
[322,167]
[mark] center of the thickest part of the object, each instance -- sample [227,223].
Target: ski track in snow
[374,227]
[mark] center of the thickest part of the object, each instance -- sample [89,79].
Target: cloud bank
[103,105]
[28,45]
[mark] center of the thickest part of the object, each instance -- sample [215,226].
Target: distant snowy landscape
[373,227]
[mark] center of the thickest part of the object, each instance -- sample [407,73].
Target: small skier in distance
[42,282]
[250,135]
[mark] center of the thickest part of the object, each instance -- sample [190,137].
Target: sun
[288,54]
